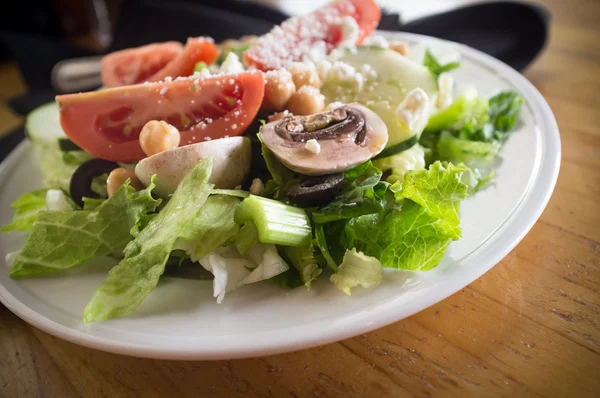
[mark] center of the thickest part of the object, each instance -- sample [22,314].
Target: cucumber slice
[42,126]
[397,148]
[395,76]
[66,145]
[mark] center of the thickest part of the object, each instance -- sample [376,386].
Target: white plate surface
[181,320]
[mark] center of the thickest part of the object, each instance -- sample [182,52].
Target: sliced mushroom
[347,136]
[231,164]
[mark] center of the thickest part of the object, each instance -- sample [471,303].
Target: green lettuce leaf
[303,259]
[434,66]
[26,209]
[465,109]
[412,233]
[360,195]
[215,226]
[64,239]
[474,154]
[399,164]
[505,108]
[439,190]
[357,269]
[134,278]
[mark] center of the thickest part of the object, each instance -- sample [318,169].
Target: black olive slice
[316,191]
[81,180]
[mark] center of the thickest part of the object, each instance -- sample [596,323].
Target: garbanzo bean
[306,101]
[279,87]
[303,75]
[158,136]
[400,47]
[117,178]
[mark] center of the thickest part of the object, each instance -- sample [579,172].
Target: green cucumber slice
[397,148]
[42,126]
[395,76]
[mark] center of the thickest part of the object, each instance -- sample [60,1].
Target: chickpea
[117,178]
[279,87]
[400,47]
[303,75]
[306,101]
[158,136]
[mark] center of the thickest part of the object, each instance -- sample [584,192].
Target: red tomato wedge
[297,36]
[107,123]
[136,65]
[154,62]
[197,49]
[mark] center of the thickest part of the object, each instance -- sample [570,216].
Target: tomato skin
[154,62]
[106,123]
[281,46]
[197,49]
[136,65]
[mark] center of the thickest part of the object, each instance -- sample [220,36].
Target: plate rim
[536,200]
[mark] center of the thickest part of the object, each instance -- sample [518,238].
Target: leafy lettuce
[434,66]
[132,280]
[26,209]
[357,269]
[416,226]
[233,270]
[64,239]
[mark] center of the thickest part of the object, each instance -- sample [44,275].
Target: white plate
[181,320]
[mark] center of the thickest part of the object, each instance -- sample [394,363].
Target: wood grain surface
[530,327]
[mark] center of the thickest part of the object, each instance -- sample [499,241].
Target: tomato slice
[197,49]
[106,123]
[136,65]
[154,62]
[298,36]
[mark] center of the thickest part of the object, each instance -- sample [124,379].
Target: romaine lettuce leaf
[214,225]
[357,269]
[233,270]
[134,278]
[360,195]
[26,209]
[400,163]
[64,239]
[303,259]
[465,109]
[474,154]
[412,233]
[505,108]
[439,190]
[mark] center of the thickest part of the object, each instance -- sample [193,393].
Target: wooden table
[530,327]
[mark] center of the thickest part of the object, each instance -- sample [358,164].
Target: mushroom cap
[352,135]
[231,164]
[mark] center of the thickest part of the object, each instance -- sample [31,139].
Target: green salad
[371,176]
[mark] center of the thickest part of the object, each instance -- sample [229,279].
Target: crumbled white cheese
[257,187]
[323,67]
[350,31]
[446,85]
[316,52]
[368,71]
[334,105]
[347,73]
[313,146]
[376,41]
[413,108]
[232,64]
[205,72]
